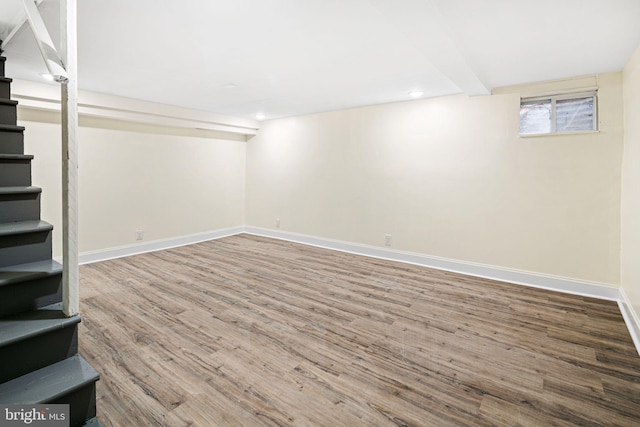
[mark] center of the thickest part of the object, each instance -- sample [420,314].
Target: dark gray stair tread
[11,128]
[9,102]
[33,323]
[49,383]
[23,272]
[23,227]
[16,156]
[6,79]
[93,422]
[20,190]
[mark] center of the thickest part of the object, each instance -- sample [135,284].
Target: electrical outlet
[387,239]
[277,222]
[139,234]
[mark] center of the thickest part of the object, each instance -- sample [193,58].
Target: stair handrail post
[63,67]
[69,102]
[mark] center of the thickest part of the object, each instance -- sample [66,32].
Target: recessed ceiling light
[260,116]
[416,93]
[48,77]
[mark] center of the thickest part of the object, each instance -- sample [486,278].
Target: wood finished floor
[259,332]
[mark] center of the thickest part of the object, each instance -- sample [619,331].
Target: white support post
[69,98]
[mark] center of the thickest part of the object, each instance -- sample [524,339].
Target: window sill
[539,135]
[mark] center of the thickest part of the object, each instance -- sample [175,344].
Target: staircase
[39,361]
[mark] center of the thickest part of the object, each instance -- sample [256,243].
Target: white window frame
[562,97]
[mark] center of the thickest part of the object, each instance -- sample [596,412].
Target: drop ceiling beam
[40,96]
[427,31]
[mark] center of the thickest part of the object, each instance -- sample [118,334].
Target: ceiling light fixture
[416,93]
[260,116]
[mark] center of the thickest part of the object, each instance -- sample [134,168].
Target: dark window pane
[535,117]
[573,115]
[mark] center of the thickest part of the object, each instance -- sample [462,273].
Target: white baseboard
[527,278]
[554,283]
[631,318]
[155,245]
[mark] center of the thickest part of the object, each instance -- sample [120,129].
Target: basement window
[575,112]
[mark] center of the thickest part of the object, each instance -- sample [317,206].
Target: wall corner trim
[631,318]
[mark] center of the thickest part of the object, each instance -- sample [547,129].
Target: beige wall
[630,248]
[446,177]
[449,177]
[164,181]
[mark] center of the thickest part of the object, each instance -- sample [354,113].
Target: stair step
[25,272]
[93,422]
[33,323]
[2,60]
[71,381]
[23,227]
[35,339]
[28,287]
[15,170]
[24,242]
[19,157]
[8,113]
[20,190]
[5,87]
[11,128]
[48,383]
[19,203]
[11,139]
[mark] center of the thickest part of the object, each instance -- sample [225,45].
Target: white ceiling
[293,57]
